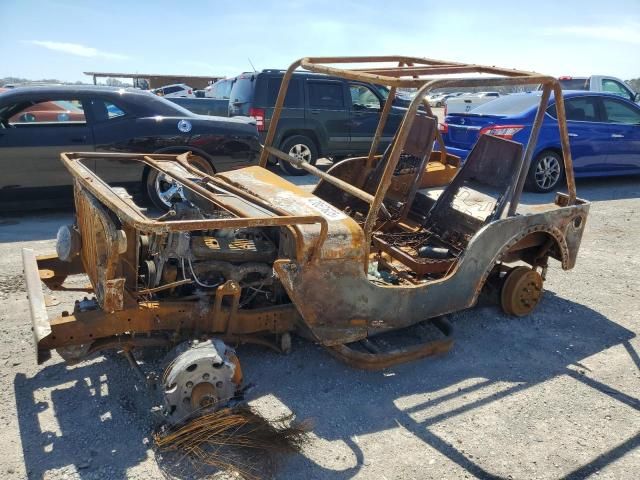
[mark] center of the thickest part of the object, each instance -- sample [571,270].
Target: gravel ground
[553,395]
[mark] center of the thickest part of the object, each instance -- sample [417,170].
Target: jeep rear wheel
[521,291]
[302,148]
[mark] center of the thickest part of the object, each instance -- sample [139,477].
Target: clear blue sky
[62,38]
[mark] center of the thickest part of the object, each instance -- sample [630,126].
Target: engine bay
[193,264]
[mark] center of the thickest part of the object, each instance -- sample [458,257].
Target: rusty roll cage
[395,77]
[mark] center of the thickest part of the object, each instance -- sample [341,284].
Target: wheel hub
[521,291]
[204,377]
[301,152]
[167,188]
[203,395]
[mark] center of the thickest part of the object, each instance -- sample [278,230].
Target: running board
[379,361]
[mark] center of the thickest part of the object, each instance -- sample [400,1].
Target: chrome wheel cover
[166,187]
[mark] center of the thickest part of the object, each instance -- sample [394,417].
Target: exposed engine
[198,262]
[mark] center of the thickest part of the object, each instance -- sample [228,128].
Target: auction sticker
[325,209]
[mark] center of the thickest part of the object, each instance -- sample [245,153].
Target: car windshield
[160,106]
[222,89]
[241,90]
[508,105]
[70,106]
[575,83]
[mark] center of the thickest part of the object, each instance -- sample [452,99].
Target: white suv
[175,90]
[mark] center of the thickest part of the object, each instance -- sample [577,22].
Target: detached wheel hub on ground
[203,378]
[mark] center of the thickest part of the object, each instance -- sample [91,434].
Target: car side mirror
[636,98]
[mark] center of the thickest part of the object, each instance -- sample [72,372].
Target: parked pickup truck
[599,83]
[466,103]
[203,106]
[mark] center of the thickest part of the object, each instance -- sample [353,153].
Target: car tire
[302,147]
[546,172]
[160,188]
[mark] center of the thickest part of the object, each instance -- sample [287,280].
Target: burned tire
[161,188]
[546,171]
[521,291]
[300,147]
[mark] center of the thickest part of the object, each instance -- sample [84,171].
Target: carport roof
[147,75]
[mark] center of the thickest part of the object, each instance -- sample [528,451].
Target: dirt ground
[553,395]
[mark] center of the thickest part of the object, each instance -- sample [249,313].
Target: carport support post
[531,145]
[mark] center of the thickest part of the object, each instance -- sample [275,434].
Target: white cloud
[629,33]
[77,49]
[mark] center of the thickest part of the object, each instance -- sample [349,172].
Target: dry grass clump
[236,439]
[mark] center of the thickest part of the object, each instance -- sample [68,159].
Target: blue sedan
[604,133]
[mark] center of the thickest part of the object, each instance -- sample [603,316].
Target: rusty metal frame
[140,318]
[118,325]
[377,360]
[421,72]
[302,276]
[132,216]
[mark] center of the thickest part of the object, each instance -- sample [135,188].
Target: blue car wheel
[546,171]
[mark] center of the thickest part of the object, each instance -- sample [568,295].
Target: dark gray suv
[322,115]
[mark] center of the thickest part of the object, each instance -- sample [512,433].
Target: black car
[38,123]
[322,115]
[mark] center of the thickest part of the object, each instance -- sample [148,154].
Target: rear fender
[339,304]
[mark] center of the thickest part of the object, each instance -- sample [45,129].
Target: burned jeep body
[383,242]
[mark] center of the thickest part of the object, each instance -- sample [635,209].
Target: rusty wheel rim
[521,291]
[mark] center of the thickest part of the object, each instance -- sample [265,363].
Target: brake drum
[203,378]
[521,291]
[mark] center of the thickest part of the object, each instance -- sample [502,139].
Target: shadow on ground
[344,403]
[493,348]
[100,423]
[594,190]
